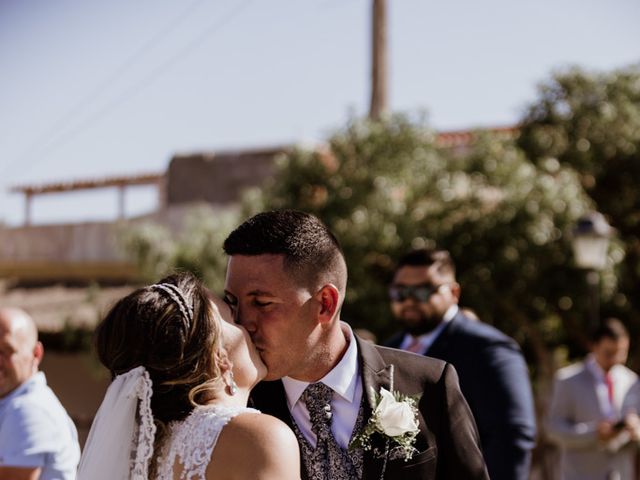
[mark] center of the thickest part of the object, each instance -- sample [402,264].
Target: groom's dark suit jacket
[448,444]
[495,381]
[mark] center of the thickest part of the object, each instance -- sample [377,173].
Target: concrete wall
[219,178]
[85,252]
[80,383]
[70,253]
[64,243]
[82,252]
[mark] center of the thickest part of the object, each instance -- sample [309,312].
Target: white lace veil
[120,443]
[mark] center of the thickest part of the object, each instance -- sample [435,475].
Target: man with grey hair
[38,440]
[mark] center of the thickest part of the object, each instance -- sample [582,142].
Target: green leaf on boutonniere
[394,417]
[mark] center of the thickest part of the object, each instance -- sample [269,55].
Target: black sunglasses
[420,293]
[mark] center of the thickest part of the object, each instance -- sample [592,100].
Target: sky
[94,88]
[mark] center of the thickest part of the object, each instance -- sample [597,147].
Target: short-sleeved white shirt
[36,432]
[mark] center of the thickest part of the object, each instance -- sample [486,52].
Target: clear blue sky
[91,88]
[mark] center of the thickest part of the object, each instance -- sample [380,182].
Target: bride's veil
[120,442]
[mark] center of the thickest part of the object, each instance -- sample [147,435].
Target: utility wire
[65,137]
[60,124]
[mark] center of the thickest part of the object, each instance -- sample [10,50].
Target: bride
[176,408]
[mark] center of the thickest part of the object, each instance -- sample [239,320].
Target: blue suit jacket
[495,381]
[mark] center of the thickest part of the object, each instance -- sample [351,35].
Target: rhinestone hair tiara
[178,297]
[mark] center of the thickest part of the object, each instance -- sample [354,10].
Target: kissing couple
[323,403]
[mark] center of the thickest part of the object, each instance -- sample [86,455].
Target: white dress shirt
[344,379]
[609,410]
[427,339]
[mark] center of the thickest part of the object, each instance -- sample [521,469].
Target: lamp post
[590,242]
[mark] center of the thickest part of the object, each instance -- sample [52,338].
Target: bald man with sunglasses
[493,375]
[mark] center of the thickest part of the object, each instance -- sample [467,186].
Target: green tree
[196,247]
[501,206]
[591,123]
[359,185]
[385,187]
[150,246]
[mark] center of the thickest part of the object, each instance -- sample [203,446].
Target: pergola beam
[120,183]
[90,184]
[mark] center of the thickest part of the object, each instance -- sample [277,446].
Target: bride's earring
[233,387]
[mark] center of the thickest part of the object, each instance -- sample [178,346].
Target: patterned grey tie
[329,460]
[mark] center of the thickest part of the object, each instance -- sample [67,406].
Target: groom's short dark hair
[310,249]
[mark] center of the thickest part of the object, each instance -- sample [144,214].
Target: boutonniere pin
[395,417]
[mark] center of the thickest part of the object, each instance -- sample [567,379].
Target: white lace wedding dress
[192,441]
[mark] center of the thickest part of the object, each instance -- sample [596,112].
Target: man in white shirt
[590,416]
[38,440]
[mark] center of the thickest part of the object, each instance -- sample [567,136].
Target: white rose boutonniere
[394,417]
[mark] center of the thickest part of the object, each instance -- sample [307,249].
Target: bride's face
[248,369]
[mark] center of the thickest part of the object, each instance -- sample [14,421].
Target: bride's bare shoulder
[260,429]
[255,445]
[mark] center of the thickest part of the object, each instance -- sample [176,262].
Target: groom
[286,283]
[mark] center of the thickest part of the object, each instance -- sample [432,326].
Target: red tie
[609,382]
[415,346]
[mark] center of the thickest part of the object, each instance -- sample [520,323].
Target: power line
[59,125]
[65,137]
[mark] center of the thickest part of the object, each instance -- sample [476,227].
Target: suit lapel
[376,374]
[396,340]
[270,398]
[375,371]
[441,344]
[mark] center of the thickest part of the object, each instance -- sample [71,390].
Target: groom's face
[276,311]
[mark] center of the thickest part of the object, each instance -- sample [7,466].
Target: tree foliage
[502,206]
[591,122]
[386,187]
[196,247]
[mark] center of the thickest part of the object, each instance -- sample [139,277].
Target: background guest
[587,416]
[37,437]
[493,374]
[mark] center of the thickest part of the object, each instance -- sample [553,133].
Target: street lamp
[590,242]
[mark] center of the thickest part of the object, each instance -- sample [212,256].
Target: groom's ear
[329,299]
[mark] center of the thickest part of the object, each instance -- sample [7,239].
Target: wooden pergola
[119,182]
